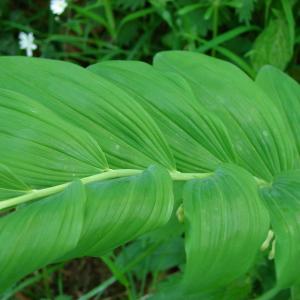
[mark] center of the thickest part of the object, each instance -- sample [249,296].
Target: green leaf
[285,93]
[226,223]
[40,148]
[83,223]
[273,46]
[173,228]
[38,234]
[59,122]
[198,139]
[260,137]
[225,37]
[10,185]
[122,209]
[123,129]
[283,201]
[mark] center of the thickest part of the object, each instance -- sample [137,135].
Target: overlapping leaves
[88,221]
[40,148]
[127,134]
[60,123]
[262,140]
[41,153]
[190,129]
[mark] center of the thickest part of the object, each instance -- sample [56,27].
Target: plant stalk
[109,174]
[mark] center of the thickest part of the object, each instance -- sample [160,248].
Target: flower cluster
[26,40]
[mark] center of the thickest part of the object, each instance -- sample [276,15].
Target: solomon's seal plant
[90,158]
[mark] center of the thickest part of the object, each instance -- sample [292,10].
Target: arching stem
[109,174]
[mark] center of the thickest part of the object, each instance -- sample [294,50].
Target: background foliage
[248,33]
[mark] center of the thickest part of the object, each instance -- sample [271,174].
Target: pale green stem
[178,176]
[110,174]
[35,194]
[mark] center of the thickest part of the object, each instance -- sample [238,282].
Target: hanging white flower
[58,6]
[26,42]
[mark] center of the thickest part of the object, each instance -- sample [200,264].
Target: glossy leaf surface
[122,209]
[85,221]
[40,148]
[257,129]
[199,140]
[29,241]
[283,201]
[98,152]
[285,93]
[10,185]
[226,224]
[126,133]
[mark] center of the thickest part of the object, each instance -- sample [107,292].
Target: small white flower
[58,6]
[26,41]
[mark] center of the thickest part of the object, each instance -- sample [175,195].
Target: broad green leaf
[121,209]
[283,201]
[197,138]
[262,140]
[78,223]
[273,46]
[10,185]
[173,228]
[40,148]
[123,129]
[285,93]
[59,122]
[226,223]
[297,164]
[38,234]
